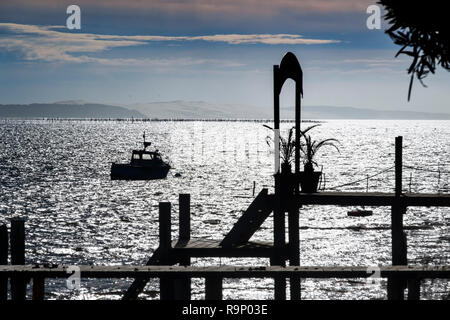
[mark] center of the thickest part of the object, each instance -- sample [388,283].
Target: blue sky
[217,51]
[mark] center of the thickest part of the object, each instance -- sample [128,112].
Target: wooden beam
[369,199]
[250,221]
[401,272]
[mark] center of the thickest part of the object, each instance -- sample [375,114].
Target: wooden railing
[214,275]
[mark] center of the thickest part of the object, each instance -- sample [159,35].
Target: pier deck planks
[212,248]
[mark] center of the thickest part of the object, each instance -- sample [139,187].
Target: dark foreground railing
[214,275]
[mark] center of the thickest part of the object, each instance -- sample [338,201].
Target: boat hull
[132,172]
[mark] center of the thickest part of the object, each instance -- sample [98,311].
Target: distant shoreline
[152,120]
[201,111]
[29,119]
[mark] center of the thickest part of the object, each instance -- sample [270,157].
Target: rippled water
[56,174]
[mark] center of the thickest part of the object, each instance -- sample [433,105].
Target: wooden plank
[404,272]
[369,199]
[250,221]
[223,252]
[211,248]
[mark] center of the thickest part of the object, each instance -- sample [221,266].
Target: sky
[219,51]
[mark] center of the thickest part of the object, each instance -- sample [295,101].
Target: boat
[144,165]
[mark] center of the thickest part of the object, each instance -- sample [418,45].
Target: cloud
[273,39]
[46,43]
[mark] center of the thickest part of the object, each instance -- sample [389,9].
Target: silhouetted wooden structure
[175,281]
[236,242]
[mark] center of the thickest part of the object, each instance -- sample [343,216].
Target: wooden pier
[171,261]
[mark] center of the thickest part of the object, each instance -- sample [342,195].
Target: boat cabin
[139,156]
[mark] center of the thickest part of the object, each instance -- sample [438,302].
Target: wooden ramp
[250,221]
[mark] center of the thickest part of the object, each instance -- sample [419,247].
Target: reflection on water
[56,174]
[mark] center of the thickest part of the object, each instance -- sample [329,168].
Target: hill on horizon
[67,109]
[192,110]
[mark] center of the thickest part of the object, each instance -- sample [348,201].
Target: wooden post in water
[183,285]
[414,289]
[294,251]
[38,288]
[399,255]
[3,261]
[279,240]
[293,214]
[166,286]
[185,217]
[213,288]
[289,68]
[18,283]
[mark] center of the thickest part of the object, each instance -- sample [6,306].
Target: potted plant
[309,179]
[287,154]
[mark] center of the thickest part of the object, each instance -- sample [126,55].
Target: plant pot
[287,182]
[309,181]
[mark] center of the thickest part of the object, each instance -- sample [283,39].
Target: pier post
[289,68]
[399,254]
[293,215]
[166,286]
[3,261]
[185,217]
[414,289]
[183,285]
[18,283]
[213,288]
[279,239]
[294,251]
[38,288]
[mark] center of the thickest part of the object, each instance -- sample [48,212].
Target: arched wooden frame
[289,68]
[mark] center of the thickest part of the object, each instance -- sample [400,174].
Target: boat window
[146,156]
[136,156]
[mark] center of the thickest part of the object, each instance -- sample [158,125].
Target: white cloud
[45,43]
